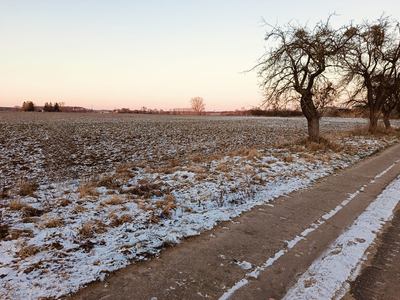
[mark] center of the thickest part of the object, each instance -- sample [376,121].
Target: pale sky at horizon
[158,54]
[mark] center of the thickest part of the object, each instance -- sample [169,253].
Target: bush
[28,106]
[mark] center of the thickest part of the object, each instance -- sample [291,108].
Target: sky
[158,54]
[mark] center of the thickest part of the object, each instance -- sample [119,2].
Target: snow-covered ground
[135,191]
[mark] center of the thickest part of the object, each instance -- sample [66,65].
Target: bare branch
[198,104]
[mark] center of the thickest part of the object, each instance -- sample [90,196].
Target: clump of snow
[244,265]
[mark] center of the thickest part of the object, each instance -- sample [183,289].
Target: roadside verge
[272,242]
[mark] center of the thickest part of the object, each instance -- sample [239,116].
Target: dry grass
[392,130]
[116,200]
[323,144]
[123,171]
[282,144]
[55,246]
[112,215]
[146,190]
[25,209]
[86,231]
[118,221]
[27,188]
[326,158]
[54,222]
[222,167]
[65,202]
[309,158]
[79,209]
[4,194]
[142,205]
[126,218]
[167,170]
[250,153]
[194,168]
[196,158]
[248,170]
[27,251]
[167,205]
[89,228]
[29,211]
[364,131]
[16,204]
[87,190]
[144,181]
[108,182]
[153,218]
[380,130]
[29,220]
[17,233]
[253,153]
[228,177]
[200,177]
[288,158]
[100,227]
[3,231]
[122,168]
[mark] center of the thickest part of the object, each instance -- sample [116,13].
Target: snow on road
[380,213]
[330,275]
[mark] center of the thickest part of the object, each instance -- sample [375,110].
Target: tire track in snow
[298,238]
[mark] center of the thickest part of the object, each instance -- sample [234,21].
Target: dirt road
[275,241]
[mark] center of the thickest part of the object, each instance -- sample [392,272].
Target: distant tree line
[275,112]
[28,106]
[49,107]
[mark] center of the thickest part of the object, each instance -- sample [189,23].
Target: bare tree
[295,67]
[198,104]
[371,65]
[388,91]
[390,104]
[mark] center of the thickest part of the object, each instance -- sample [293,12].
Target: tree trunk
[311,114]
[313,129]
[387,108]
[386,121]
[373,122]
[373,105]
